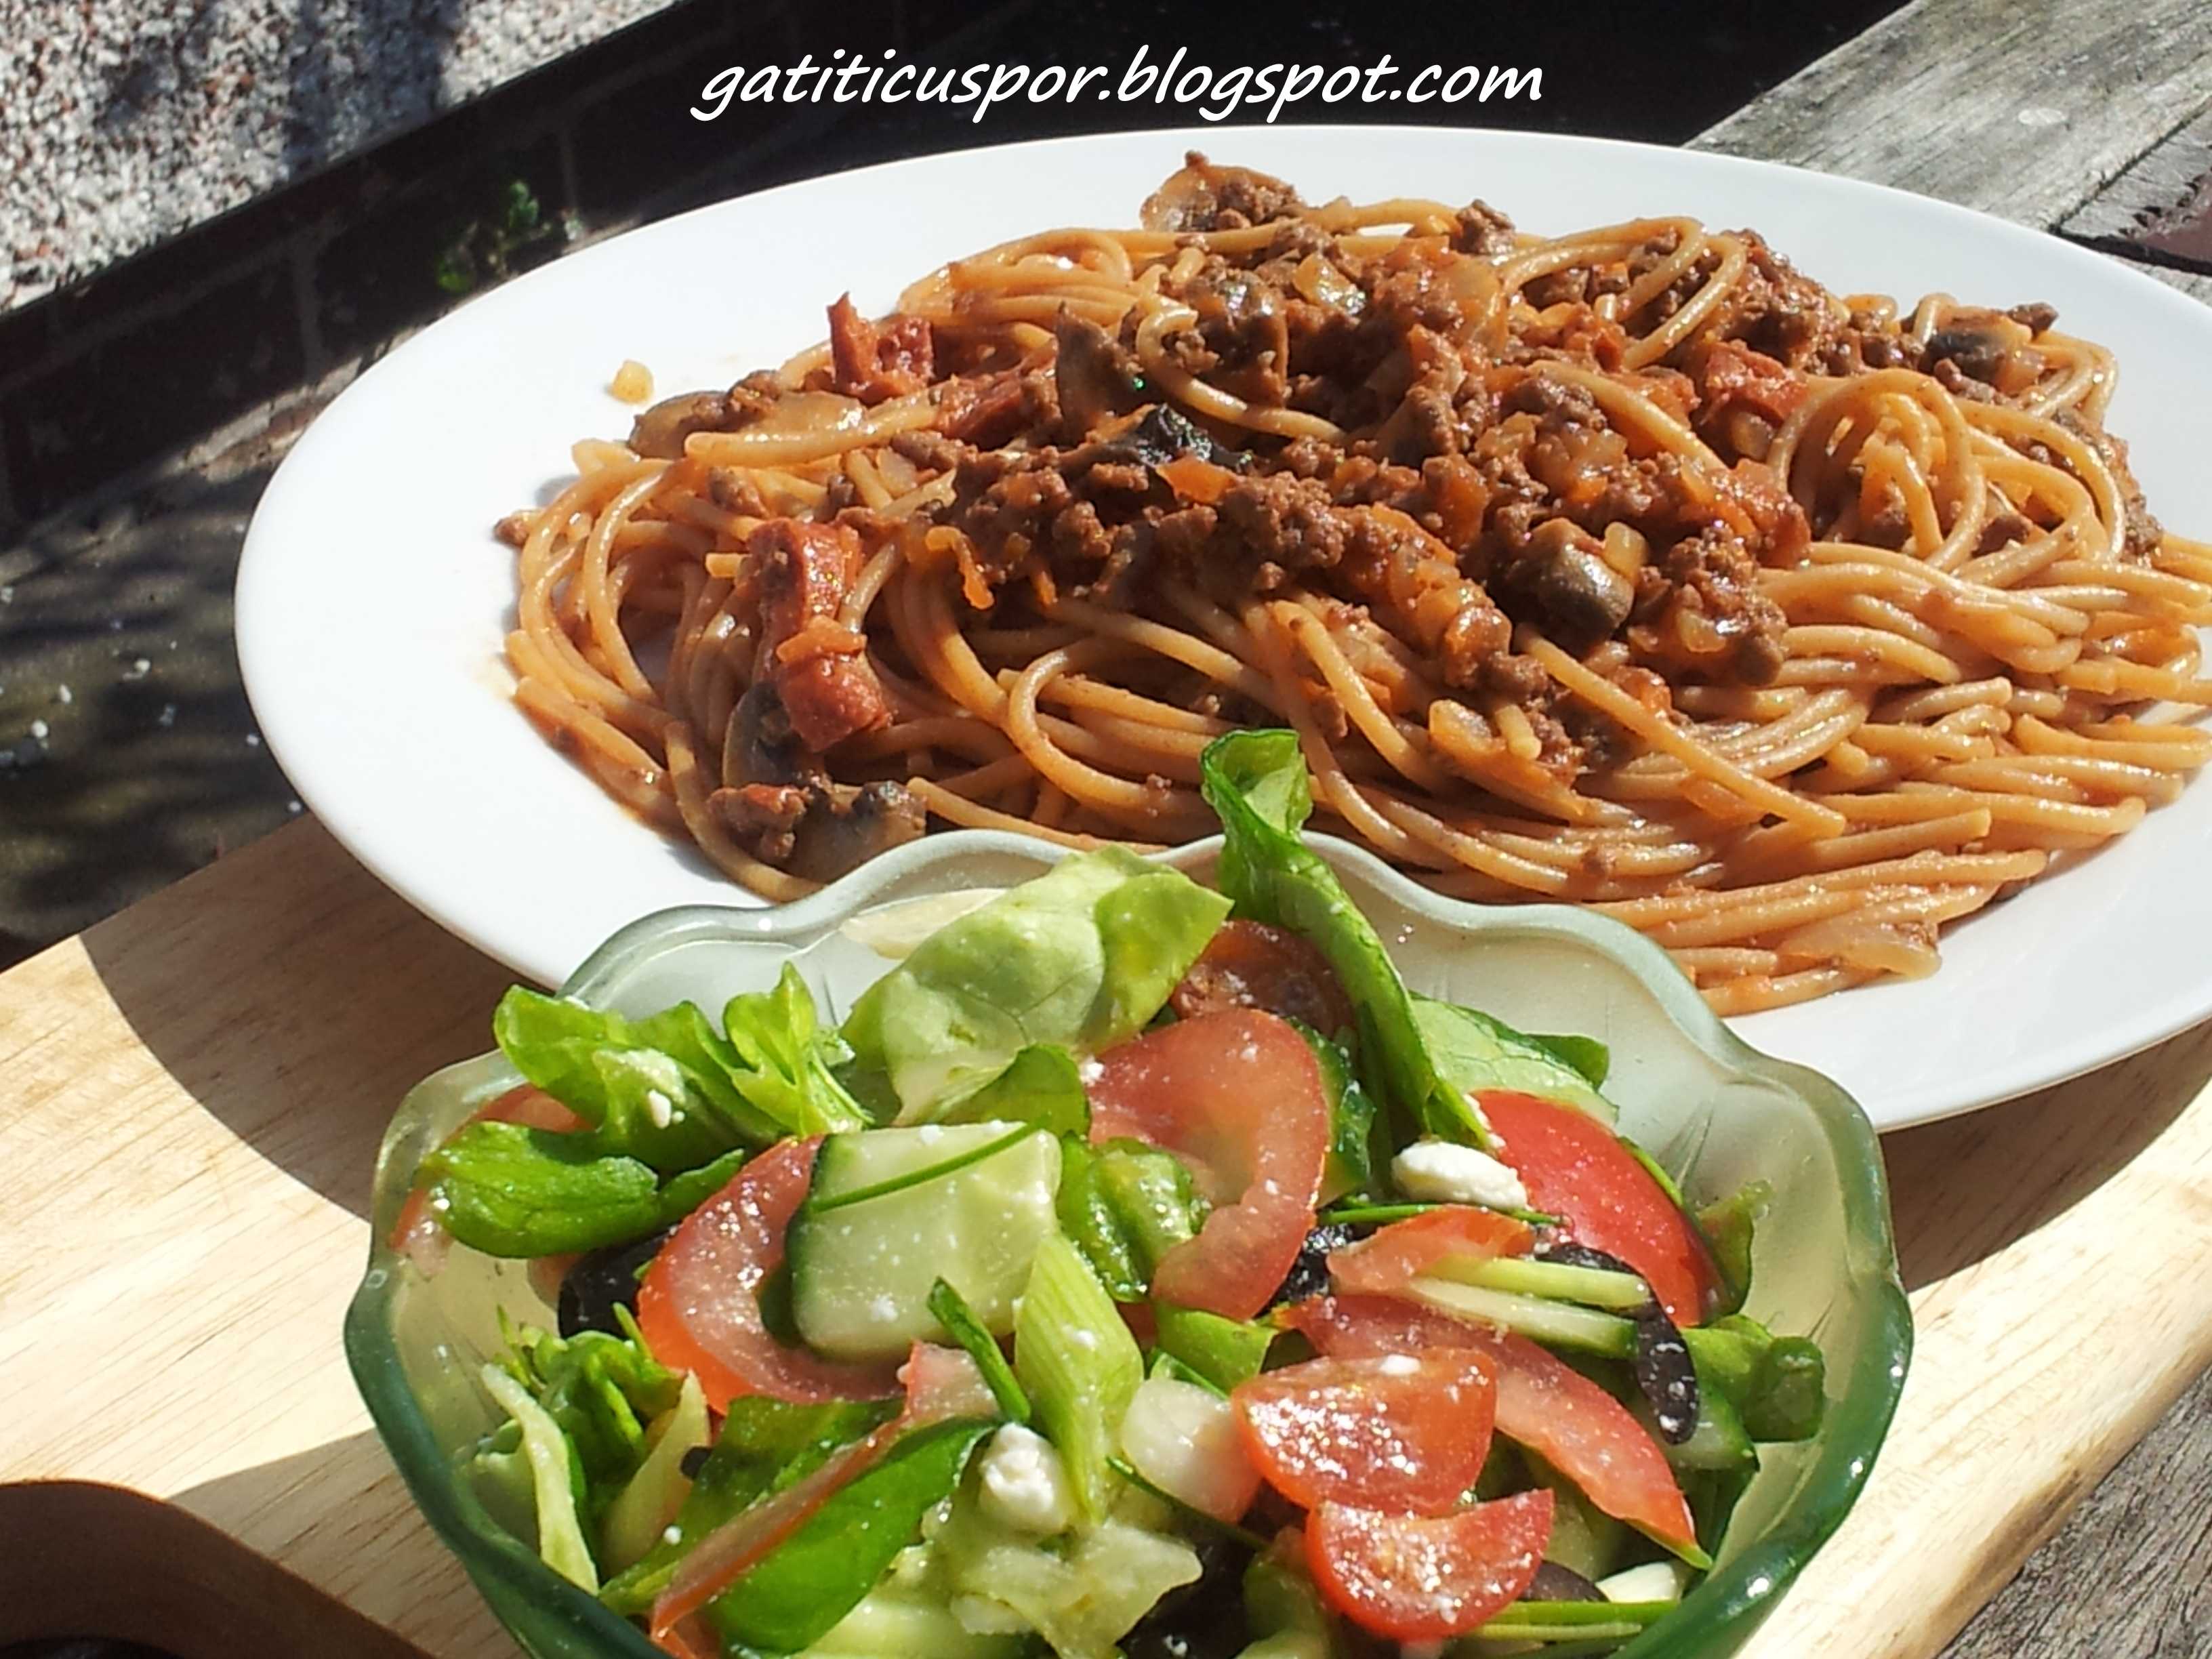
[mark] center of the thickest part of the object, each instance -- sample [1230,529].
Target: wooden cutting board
[194,1094]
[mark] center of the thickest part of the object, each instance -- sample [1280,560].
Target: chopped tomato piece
[1575,1167]
[1384,1261]
[1355,1325]
[1237,1094]
[1421,1578]
[1543,1403]
[1250,964]
[1405,1431]
[1195,479]
[699,1305]
[417,1232]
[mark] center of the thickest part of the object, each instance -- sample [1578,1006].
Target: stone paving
[123,123]
[128,756]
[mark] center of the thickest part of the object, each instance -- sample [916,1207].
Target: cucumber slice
[861,1267]
[1558,1324]
[1592,1287]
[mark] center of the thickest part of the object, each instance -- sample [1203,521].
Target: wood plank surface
[2071,115]
[2164,179]
[2026,110]
[2131,1575]
[197,1087]
[219,1061]
[169,1313]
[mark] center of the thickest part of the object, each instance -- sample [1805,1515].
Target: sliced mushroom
[844,826]
[1095,377]
[659,432]
[817,829]
[759,745]
[1163,434]
[1200,196]
[1568,574]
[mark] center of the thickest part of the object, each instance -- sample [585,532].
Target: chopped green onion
[917,1177]
[951,1310]
[1079,1363]
[1533,1621]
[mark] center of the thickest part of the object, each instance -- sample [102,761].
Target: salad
[1138,1269]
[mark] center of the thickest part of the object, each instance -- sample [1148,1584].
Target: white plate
[372,598]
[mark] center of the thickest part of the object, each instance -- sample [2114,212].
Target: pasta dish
[1628,567]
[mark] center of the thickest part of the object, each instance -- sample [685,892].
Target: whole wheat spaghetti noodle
[1629,568]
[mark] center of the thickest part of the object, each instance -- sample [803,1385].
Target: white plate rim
[321,774]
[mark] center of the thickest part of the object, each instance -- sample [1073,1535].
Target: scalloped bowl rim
[1717,1615]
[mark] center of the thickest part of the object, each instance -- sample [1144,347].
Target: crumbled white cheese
[1443,1172]
[659,1108]
[1399,1364]
[659,1070]
[884,1310]
[1025,1485]
[1655,1581]
[1088,1070]
[672,1534]
[930,1133]
[1085,1340]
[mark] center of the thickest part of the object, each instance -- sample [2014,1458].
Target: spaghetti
[1629,568]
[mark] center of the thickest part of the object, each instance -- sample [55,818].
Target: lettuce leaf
[672,1091]
[670,1104]
[787,1060]
[1040,1087]
[1256,783]
[1079,958]
[536,1452]
[1425,1057]
[601,1391]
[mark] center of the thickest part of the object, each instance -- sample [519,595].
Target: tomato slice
[417,1232]
[1575,1167]
[1250,964]
[1405,1431]
[1237,1095]
[699,1305]
[1385,1261]
[1543,1403]
[1420,1579]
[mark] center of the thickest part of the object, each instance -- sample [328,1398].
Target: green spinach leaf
[794,1593]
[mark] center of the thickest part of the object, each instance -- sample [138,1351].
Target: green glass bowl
[1716,1113]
